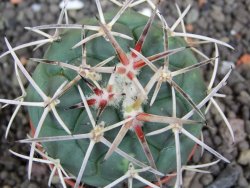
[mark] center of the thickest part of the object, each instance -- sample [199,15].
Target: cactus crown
[106,87]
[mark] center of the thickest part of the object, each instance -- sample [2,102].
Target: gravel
[227,178]
[226,20]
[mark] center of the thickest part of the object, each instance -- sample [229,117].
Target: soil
[226,20]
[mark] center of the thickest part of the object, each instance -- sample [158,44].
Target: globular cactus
[117,97]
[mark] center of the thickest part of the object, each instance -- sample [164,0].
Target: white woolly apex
[125,85]
[115,101]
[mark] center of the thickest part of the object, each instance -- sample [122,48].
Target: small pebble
[196,182]
[243,145]
[237,126]
[217,14]
[237,27]
[33,185]
[215,170]
[244,158]
[3,175]
[36,7]
[6,186]
[206,179]
[207,157]
[242,182]
[230,2]
[227,178]
[244,98]
[54,9]
[188,178]
[238,87]
[231,114]
[217,140]
[192,16]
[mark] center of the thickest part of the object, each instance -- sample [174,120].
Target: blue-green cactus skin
[71,153]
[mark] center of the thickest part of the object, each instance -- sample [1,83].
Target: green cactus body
[101,172]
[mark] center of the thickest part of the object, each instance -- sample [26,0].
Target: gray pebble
[206,179]
[238,87]
[29,13]
[228,155]
[230,2]
[15,178]
[196,183]
[192,16]
[202,23]
[244,158]
[3,175]
[208,141]
[243,16]
[72,13]
[6,186]
[237,26]
[227,90]
[235,107]
[207,157]
[227,178]
[231,114]
[54,9]
[33,185]
[217,140]
[229,100]
[20,134]
[25,184]
[218,119]
[244,98]
[242,182]
[213,130]
[170,20]
[234,153]
[9,13]
[22,170]
[244,145]
[11,182]
[36,7]
[9,164]
[215,170]
[235,77]
[217,14]
[49,18]
[228,9]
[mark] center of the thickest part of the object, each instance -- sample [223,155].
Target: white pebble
[72,5]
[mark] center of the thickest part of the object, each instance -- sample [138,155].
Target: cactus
[117,97]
